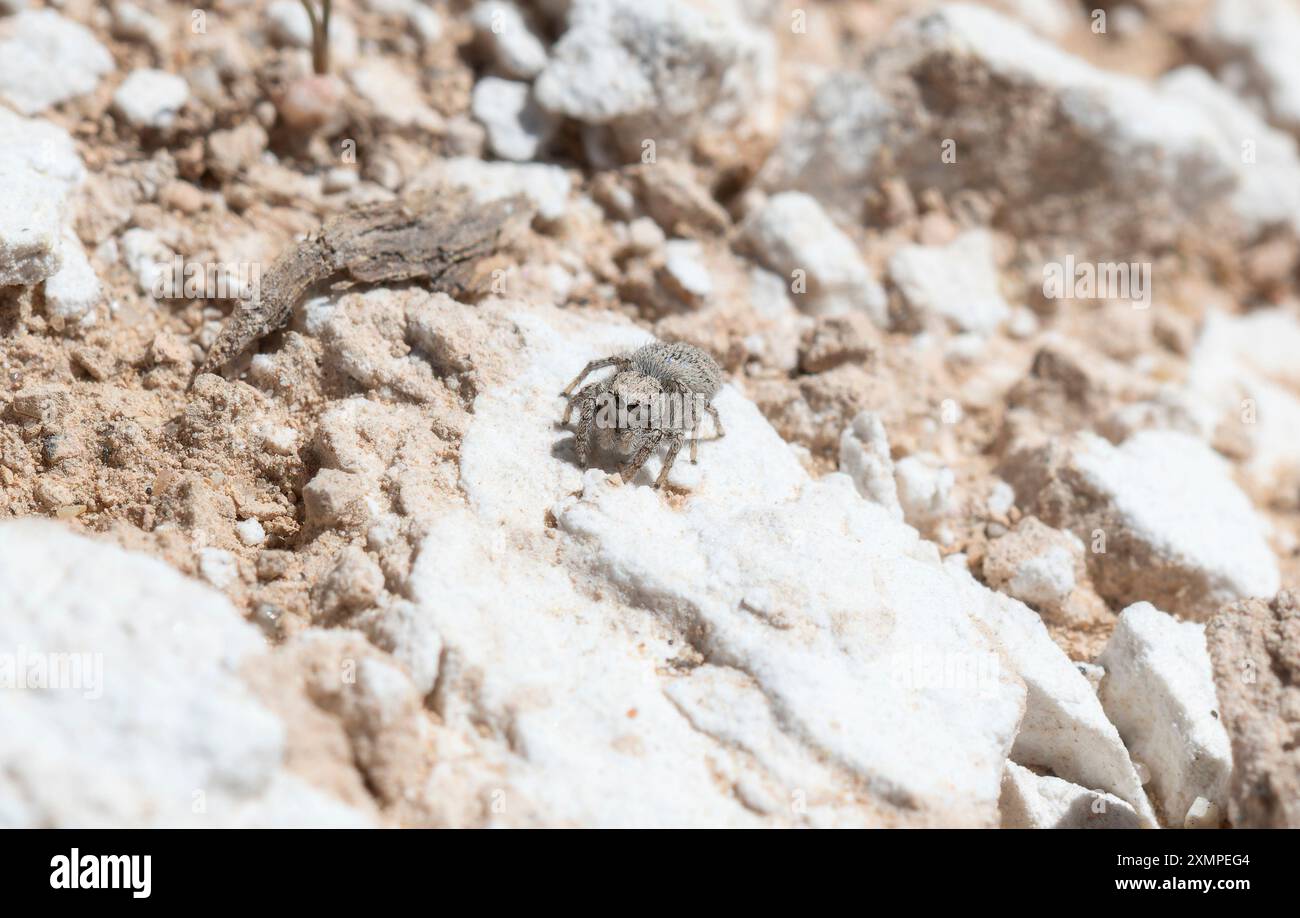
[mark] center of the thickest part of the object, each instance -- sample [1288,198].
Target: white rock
[151,98]
[1044,580]
[516,126]
[865,457]
[39,168]
[734,569]
[72,292]
[30,225]
[1151,146]
[1050,18]
[1177,500]
[250,532]
[394,96]
[801,597]
[958,282]
[1243,374]
[156,728]
[218,567]
[1092,672]
[1268,182]
[1159,691]
[684,260]
[545,185]
[46,59]
[1203,814]
[1001,498]
[426,22]
[138,24]
[288,24]
[147,257]
[658,71]
[281,440]
[1031,801]
[792,235]
[924,491]
[515,47]
[42,147]
[1257,41]
[769,296]
[1064,728]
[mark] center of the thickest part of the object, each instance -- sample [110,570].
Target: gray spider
[655,396]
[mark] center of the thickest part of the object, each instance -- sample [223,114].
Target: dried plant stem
[320,35]
[378,243]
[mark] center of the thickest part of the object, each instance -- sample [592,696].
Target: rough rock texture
[39,168]
[794,237]
[879,599]
[516,126]
[1173,525]
[1244,383]
[151,98]
[725,593]
[657,72]
[1253,43]
[957,282]
[1159,693]
[512,43]
[1006,106]
[1255,648]
[46,59]
[1031,801]
[1045,568]
[1268,168]
[124,702]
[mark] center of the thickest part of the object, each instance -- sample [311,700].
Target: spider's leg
[651,443]
[592,367]
[717,422]
[695,446]
[673,448]
[584,392]
[586,419]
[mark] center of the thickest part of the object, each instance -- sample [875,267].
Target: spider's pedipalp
[585,392]
[649,445]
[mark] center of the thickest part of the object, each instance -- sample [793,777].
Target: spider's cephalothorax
[656,396]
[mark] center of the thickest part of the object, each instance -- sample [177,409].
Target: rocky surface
[362,579]
[1255,646]
[1159,692]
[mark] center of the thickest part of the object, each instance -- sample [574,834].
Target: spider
[654,397]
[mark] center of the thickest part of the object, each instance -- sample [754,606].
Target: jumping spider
[651,399]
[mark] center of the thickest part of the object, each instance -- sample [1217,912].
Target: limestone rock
[1159,693]
[1160,515]
[132,711]
[46,59]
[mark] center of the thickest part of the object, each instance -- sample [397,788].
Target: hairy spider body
[654,397]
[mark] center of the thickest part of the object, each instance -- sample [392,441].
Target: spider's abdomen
[679,366]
